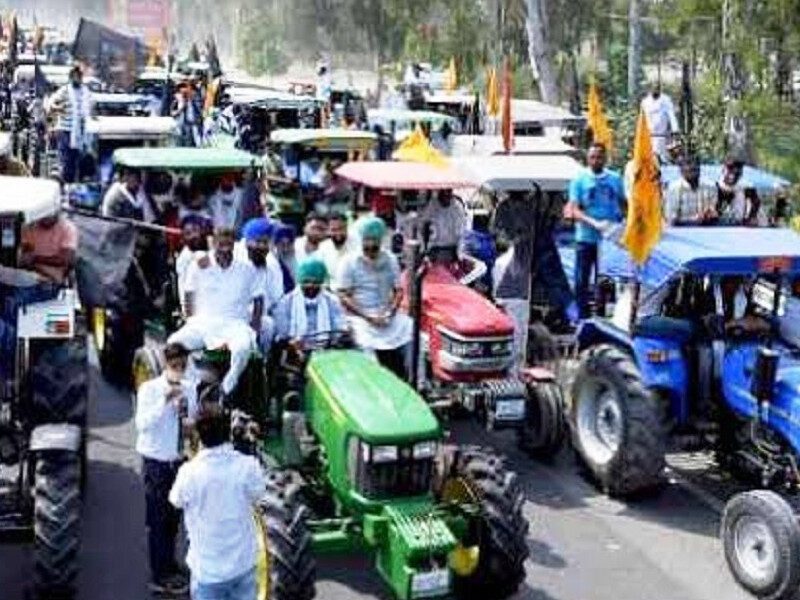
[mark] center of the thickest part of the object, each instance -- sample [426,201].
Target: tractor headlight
[379,454]
[425,450]
[462,349]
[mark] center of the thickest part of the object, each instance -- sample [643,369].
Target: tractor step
[15,527]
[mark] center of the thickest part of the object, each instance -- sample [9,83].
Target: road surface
[583,545]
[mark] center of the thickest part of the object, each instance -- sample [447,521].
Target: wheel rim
[599,420]
[756,549]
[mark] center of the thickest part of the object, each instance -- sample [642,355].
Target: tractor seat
[678,330]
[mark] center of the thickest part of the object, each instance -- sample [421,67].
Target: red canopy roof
[403,176]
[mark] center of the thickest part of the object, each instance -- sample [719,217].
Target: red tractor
[463,347]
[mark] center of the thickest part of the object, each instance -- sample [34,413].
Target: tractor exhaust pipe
[416,273]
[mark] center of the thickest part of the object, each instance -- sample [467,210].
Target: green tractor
[357,462]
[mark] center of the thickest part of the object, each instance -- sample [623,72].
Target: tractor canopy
[552,173]
[326,140]
[707,251]
[132,128]
[460,309]
[403,176]
[185,159]
[368,399]
[29,197]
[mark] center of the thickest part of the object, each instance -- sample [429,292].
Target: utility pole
[634,50]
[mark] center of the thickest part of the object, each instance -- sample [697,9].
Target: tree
[634,50]
[540,50]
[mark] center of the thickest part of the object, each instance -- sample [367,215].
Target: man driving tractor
[310,309]
[218,294]
[369,287]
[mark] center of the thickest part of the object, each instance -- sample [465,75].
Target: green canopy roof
[184,159]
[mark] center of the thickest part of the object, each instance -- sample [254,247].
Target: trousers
[236,335]
[162,518]
[243,587]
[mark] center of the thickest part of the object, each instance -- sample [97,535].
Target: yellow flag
[492,94]
[597,121]
[643,229]
[417,148]
[451,77]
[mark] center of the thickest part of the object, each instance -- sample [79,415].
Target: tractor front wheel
[544,429]
[617,424]
[287,569]
[502,528]
[56,524]
[761,539]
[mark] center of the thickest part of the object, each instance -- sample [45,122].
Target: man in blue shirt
[596,201]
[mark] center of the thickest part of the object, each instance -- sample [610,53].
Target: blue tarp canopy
[707,250]
[761,180]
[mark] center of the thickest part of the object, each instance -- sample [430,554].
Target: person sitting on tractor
[9,165]
[737,200]
[338,245]
[48,249]
[218,293]
[316,228]
[195,231]
[308,310]
[254,248]
[689,201]
[282,255]
[122,199]
[445,221]
[225,204]
[369,287]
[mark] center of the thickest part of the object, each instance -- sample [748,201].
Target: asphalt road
[583,545]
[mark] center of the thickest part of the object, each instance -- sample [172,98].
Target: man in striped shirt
[72,104]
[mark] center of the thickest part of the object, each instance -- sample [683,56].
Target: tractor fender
[598,331]
[55,436]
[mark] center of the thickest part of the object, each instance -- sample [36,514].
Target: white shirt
[660,114]
[182,262]
[270,274]
[226,208]
[332,255]
[301,252]
[221,294]
[216,491]
[157,420]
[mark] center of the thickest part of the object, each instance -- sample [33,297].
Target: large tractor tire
[59,381]
[761,539]
[56,524]
[544,430]
[288,570]
[480,475]
[617,423]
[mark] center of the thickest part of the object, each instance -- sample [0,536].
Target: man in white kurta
[219,292]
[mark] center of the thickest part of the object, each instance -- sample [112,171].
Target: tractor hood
[368,399]
[462,310]
[787,384]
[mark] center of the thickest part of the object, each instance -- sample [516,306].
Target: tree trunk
[540,51]
[737,129]
[634,51]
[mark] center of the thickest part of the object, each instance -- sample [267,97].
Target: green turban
[312,270]
[373,228]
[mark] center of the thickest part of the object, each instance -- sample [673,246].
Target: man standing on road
[217,491]
[661,120]
[161,405]
[596,201]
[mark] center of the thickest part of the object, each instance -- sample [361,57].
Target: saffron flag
[643,228]
[597,121]
[507,126]
[492,93]
[417,148]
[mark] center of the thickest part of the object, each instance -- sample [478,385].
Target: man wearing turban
[369,287]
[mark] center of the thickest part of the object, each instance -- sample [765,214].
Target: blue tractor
[702,348]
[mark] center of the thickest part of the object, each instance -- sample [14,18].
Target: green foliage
[259,47]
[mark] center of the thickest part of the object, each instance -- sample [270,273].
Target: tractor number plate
[509,410]
[431,584]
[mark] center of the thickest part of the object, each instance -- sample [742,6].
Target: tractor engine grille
[402,477]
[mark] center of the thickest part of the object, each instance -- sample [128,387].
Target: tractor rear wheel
[502,528]
[287,570]
[544,429]
[761,539]
[59,381]
[56,524]
[617,424]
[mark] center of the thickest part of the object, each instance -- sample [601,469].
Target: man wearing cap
[224,303]
[369,287]
[9,165]
[309,309]
[73,104]
[254,249]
